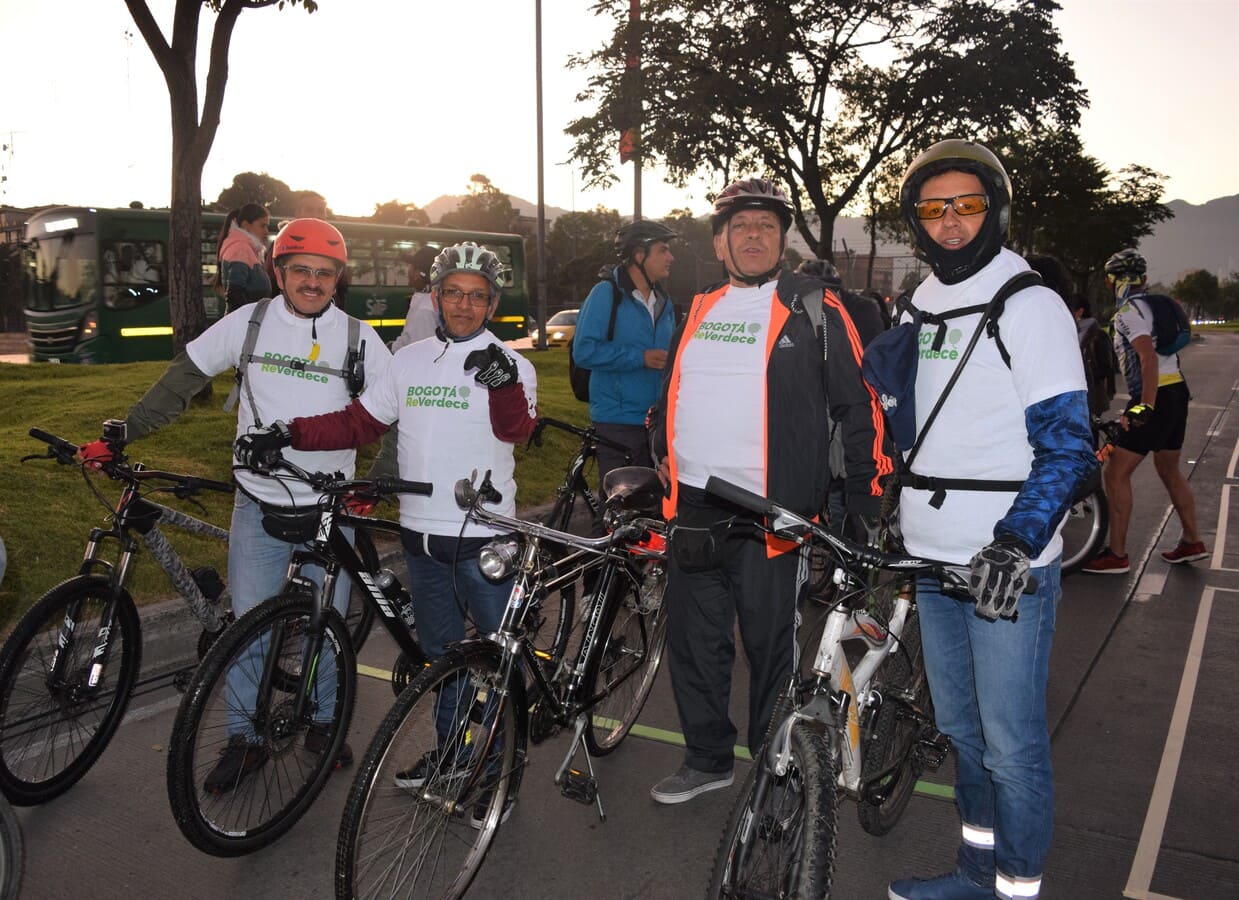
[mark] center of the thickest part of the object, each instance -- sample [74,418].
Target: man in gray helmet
[622,336]
[987,490]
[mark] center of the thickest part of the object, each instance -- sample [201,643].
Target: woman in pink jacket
[242,276]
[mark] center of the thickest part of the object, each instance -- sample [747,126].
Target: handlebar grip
[741,497]
[400,486]
[47,438]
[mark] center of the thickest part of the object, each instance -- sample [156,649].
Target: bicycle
[1085,526]
[576,481]
[425,831]
[259,688]
[70,666]
[12,853]
[862,727]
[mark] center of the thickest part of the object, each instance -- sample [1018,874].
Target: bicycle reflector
[497,560]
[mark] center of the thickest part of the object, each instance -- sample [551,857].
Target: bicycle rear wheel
[780,838]
[626,665]
[424,809]
[1084,530]
[242,768]
[53,730]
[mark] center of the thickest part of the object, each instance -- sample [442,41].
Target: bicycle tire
[891,738]
[414,841]
[360,616]
[780,837]
[1084,531]
[50,736]
[626,665]
[263,804]
[12,852]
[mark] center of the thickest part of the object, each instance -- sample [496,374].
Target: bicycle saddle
[633,488]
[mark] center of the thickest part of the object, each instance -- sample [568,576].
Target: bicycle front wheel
[432,790]
[242,766]
[624,667]
[1084,530]
[780,838]
[54,722]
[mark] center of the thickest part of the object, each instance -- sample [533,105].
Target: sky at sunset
[355,100]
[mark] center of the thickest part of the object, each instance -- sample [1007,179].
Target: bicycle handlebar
[334,483]
[586,434]
[65,452]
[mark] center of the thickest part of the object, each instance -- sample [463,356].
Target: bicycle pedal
[932,747]
[579,787]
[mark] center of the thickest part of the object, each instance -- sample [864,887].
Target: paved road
[1141,705]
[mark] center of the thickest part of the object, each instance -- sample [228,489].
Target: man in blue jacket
[622,336]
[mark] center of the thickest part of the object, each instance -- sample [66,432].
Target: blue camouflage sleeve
[1061,438]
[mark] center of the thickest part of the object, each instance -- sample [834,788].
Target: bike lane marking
[1140,876]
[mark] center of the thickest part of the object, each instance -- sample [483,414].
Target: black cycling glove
[495,368]
[260,450]
[998,576]
[1139,414]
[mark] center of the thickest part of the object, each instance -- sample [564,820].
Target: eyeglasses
[456,296]
[964,204]
[309,272]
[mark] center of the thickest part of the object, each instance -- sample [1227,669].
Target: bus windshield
[61,271]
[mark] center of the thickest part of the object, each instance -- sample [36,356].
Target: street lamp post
[541,239]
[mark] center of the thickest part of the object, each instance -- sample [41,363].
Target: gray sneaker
[688,783]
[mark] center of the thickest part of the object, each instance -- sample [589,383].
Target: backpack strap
[616,297]
[353,372]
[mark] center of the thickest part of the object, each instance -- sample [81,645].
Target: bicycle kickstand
[573,783]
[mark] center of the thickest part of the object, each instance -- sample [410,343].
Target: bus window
[61,272]
[362,271]
[131,270]
[504,253]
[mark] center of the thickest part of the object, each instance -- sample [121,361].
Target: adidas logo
[784,343]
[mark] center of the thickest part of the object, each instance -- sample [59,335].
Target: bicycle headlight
[497,560]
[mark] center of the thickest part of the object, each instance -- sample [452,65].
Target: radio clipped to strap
[353,373]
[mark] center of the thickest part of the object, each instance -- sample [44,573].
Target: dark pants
[702,610]
[633,437]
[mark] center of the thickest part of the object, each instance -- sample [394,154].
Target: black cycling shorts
[1165,428]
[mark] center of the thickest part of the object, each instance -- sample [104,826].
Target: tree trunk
[185,246]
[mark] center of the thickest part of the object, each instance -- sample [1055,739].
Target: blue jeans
[440,612]
[257,565]
[988,685]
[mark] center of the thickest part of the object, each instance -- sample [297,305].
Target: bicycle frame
[574,478]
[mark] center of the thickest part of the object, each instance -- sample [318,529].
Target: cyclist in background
[1156,420]
[626,367]
[460,402]
[1027,424]
[749,395]
[299,365]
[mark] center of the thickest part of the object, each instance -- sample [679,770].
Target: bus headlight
[497,560]
[89,327]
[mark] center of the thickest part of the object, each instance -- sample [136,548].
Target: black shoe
[431,765]
[481,809]
[237,761]
[318,739]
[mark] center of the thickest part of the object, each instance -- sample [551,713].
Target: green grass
[46,510]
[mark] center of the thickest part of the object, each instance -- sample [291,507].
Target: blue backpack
[1172,330]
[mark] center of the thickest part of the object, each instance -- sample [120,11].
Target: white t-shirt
[281,392]
[443,419]
[1131,320]
[720,410]
[980,431]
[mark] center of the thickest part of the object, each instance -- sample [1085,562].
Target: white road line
[1234,460]
[1151,585]
[1141,874]
[1219,539]
[1215,427]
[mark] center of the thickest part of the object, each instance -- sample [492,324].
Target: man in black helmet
[987,490]
[763,365]
[622,335]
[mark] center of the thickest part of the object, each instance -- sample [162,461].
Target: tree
[261,188]
[486,208]
[394,212]
[192,136]
[1200,294]
[578,244]
[818,94]
[1228,298]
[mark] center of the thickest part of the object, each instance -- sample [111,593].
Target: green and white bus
[96,286]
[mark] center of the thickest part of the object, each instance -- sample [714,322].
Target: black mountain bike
[276,691]
[576,483]
[423,830]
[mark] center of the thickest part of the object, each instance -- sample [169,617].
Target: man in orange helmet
[297,354]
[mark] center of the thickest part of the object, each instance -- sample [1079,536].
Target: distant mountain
[1198,237]
[447,203]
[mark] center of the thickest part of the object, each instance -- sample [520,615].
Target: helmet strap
[754,280]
